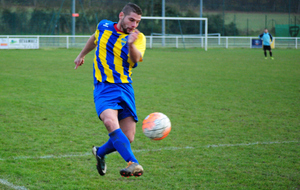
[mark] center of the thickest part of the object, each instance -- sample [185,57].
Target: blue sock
[122,145]
[106,148]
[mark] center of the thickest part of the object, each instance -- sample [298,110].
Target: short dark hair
[131,7]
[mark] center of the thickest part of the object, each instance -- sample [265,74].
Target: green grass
[235,121]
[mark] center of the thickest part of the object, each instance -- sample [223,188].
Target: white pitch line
[160,149]
[154,150]
[50,156]
[250,144]
[5,182]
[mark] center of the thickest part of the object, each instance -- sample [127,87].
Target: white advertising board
[23,43]
[3,43]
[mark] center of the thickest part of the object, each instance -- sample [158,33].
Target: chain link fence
[226,17]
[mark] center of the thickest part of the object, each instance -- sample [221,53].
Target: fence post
[38,41]
[296,42]
[67,42]
[250,42]
[176,42]
[226,42]
[7,42]
[150,42]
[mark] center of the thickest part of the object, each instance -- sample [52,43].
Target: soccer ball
[156,126]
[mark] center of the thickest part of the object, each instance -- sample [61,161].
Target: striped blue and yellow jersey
[112,62]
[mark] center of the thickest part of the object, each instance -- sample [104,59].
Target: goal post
[184,18]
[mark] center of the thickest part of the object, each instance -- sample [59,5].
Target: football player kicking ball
[119,46]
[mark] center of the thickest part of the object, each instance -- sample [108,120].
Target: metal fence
[228,17]
[51,41]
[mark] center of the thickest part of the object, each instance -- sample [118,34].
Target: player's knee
[107,122]
[110,124]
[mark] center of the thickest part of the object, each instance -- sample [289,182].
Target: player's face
[266,31]
[129,22]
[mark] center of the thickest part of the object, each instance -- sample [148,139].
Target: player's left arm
[271,37]
[136,51]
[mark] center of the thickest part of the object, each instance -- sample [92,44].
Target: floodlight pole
[163,24]
[73,20]
[223,29]
[289,13]
[206,32]
[201,10]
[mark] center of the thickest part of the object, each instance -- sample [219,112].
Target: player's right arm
[89,46]
[134,54]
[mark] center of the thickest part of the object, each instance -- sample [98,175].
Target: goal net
[176,31]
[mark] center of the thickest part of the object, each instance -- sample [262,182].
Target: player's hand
[133,36]
[78,62]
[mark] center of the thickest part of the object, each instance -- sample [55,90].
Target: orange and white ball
[156,126]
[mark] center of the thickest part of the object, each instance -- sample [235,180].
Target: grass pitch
[235,121]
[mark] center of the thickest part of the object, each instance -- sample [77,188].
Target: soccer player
[119,47]
[267,39]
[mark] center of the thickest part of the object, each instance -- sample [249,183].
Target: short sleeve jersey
[112,62]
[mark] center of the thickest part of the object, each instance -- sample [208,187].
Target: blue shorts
[116,96]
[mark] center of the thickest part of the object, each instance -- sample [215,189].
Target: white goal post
[183,18]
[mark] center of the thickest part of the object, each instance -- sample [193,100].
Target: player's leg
[128,126]
[121,107]
[110,121]
[119,140]
[128,118]
[117,137]
[271,54]
[105,149]
[265,51]
[108,108]
[102,93]
[108,147]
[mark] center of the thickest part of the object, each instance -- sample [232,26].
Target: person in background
[267,39]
